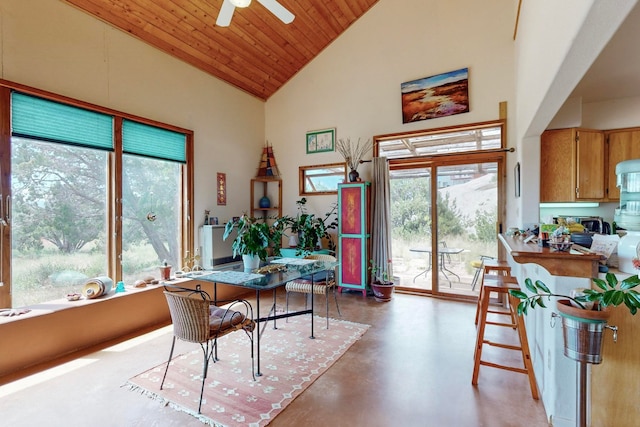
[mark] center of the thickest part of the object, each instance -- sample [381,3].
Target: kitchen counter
[572,263]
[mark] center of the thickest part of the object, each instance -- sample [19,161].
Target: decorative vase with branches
[353,154]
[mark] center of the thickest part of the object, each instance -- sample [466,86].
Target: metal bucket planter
[582,331]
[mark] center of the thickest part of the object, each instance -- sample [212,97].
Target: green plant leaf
[542,287]
[522,308]
[529,285]
[607,297]
[518,294]
[600,283]
[630,282]
[540,302]
[631,303]
[612,280]
[635,295]
[617,297]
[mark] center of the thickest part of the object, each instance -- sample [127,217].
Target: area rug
[289,360]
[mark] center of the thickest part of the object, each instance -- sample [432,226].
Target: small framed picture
[221,188]
[319,141]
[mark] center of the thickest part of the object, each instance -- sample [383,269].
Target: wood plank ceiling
[256,53]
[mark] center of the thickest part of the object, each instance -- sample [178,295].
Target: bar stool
[490,266]
[501,285]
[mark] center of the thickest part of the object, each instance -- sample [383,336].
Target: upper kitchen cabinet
[572,165]
[623,144]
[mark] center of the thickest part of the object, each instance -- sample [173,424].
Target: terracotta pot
[568,310]
[382,292]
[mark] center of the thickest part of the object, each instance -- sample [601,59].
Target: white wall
[55,47]
[354,84]
[556,44]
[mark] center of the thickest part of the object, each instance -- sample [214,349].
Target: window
[87,200]
[321,179]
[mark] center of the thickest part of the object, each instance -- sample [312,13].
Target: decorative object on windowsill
[191,262]
[96,287]
[584,316]
[165,271]
[381,283]
[120,287]
[353,154]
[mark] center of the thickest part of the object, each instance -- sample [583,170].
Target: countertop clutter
[578,262]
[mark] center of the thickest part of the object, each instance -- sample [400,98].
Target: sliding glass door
[445,208]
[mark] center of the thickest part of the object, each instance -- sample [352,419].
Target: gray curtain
[381,219]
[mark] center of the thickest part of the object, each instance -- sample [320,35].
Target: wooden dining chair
[197,319]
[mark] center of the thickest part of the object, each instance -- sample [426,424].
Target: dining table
[444,254]
[233,274]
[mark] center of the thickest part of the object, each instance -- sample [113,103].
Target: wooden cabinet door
[590,173]
[557,166]
[622,145]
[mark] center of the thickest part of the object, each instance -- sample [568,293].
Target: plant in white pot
[252,241]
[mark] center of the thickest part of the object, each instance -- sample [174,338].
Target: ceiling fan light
[240,3]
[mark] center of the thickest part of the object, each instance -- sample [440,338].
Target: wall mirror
[319,180]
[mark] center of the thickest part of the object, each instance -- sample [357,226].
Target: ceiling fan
[228,6]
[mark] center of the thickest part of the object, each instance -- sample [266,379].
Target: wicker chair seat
[306,287]
[197,319]
[222,321]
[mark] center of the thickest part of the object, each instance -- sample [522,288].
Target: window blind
[38,118]
[151,141]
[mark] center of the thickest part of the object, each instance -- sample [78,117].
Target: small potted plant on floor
[253,240]
[381,284]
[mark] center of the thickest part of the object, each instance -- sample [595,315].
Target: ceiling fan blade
[226,12]
[278,10]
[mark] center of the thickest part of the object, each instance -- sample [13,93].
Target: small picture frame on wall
[221,188]
[319,141]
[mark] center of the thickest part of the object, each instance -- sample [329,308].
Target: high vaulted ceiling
[257,53]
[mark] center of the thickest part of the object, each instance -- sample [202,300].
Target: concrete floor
[412,368]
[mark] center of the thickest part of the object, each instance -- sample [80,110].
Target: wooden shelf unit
[270,187]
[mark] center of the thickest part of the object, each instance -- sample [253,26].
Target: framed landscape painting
[436,96]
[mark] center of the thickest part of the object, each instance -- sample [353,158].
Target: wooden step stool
[493,266]
[501,285]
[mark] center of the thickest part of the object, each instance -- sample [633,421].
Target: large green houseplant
[253,239]
[311,229]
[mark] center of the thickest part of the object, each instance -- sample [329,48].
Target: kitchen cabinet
[272,189]
[623,144]
[572,165]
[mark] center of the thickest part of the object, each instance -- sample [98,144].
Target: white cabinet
[214,250]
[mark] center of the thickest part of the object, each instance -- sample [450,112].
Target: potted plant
[584,312]
[253,239]
[311,229]
[381,283]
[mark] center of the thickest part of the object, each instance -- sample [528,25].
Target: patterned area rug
[289,360]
